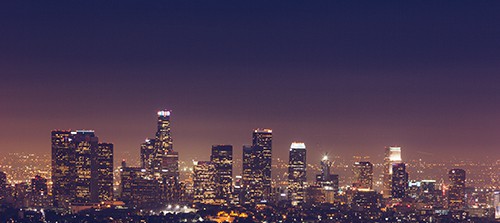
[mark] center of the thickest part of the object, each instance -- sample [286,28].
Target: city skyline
[250,111]
[354,79]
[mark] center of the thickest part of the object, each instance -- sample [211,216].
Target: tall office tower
[250,184]
[297,173]
[82,169]
[86,145]
[392,156]
[262,146]
[399,180]
[63,168]
[163,140]
[247,165]
[104,164]
[204,183]
[147,154]
[222,158]
[363,175]
[3,185]
[456,193]
[165,161]
[39,192]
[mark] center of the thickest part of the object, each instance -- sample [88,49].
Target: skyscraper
[86,144]
[363,175]
[262,146]
[204,183]
[165,161]
[456,192]
[251,187]
[222,158]
[104,165]
[82,169]
[163,140]
[399,180]
[329,182]
[63,167]
[392,156]
[297,173]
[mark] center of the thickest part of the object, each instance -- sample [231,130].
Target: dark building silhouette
[39,192]
[456,190]
[222,158]
[3,185]
[399,180]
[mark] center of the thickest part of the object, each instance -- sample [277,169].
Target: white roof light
[298,145]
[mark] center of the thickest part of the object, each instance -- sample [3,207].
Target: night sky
[345,77]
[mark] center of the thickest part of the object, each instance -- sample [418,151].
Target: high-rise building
[456,192]
[104,165]
[392,156]
[262,146]
[363,175]
[163,140]
[63,168]
[366,202]
[39,192]
[399,180]
[82,169]
[147,154]
[251,186]
[3,185]
[222,158]
[297,165]
[86,145]
[138,189]
[204,183]
[329,182]
[165,161]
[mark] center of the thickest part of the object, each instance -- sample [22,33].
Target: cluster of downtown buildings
[83,178]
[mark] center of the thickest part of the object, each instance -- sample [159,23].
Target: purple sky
[345,77]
